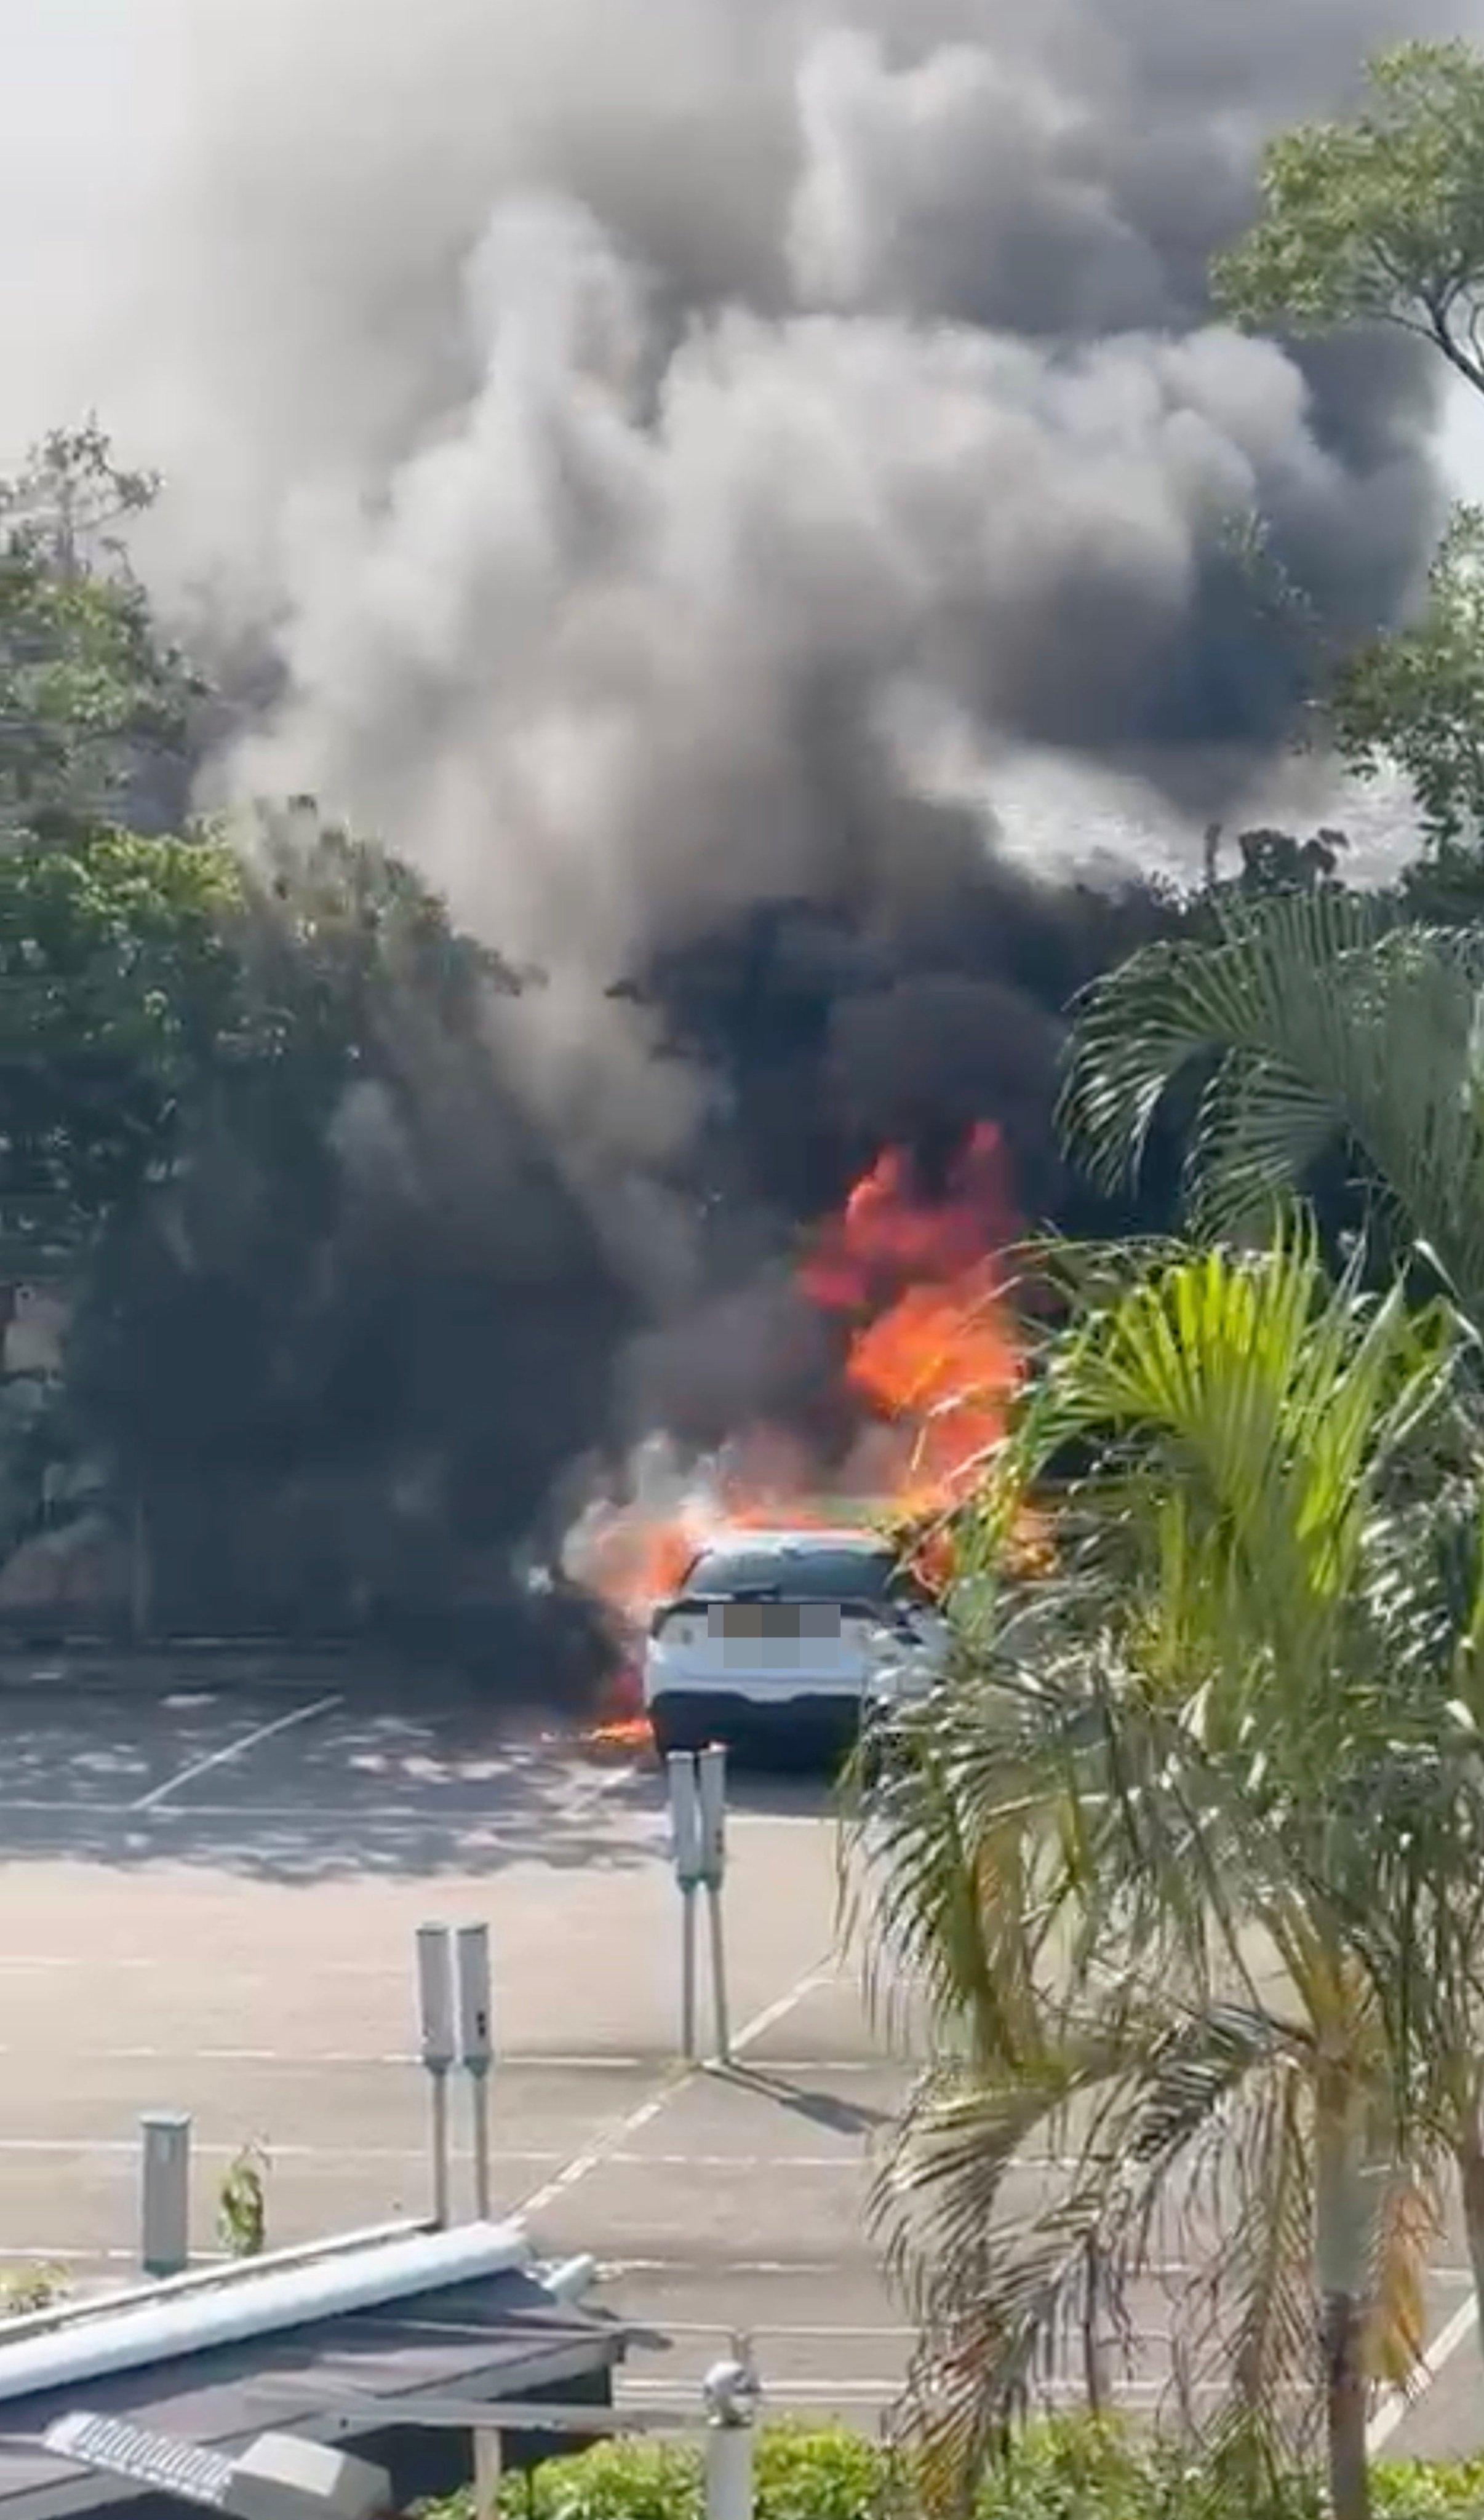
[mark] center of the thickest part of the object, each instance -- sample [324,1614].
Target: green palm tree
[1129,1854]
[1311,1021]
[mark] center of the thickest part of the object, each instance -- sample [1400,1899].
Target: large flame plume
[918,1280]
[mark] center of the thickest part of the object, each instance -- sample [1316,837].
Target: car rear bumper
[688,1719]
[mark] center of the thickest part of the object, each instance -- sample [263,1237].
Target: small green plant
[1071,2467]
[25,2290]
[242,2203]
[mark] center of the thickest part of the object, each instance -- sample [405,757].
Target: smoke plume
[668,463]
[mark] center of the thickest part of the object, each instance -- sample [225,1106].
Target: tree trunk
[1345,2407]
[1344,2208]
[1094,2371]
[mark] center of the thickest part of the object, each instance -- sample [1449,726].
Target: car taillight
[678,1624]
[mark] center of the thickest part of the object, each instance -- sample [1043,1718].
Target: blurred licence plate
[758,1619]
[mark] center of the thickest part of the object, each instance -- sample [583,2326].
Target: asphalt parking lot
[210,1906]
[210,1899]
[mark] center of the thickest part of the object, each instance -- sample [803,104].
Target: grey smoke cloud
[678,470]
[605,411]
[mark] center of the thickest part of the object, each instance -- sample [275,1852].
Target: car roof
[806,1538]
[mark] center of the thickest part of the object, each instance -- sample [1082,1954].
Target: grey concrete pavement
[209,1902]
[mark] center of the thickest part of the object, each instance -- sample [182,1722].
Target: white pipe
[129,2339]
[729,2462]
[570,2280]
[210,2277]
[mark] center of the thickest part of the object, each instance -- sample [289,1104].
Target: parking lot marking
[782,2328]
[234,1750]
[310,2059]
[1398,2404]
[614,2139]
[122,2148]
[794,2393]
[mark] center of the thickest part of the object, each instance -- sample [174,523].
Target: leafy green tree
[95,705]
[1379,219]
[1414,698]
[119,990]
[337,1353]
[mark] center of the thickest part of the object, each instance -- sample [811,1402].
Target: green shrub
[1429,2489]
[1066,2468]
[814,2473]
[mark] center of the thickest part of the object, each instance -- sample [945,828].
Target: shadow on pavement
[389,1785]
[820,2108]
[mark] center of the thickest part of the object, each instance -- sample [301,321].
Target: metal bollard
[686,1856]
[732,2393]
[698,1786]
[164,2247]
[476,2049]
[711,1793]
[435,2005]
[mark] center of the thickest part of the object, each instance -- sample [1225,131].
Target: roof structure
[496,2336]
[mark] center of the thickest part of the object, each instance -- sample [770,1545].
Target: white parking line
[774,2327]
[234,1750]
[118,2148]
[1398,2404]
[614,2139]
[309,2060]
[792,2393]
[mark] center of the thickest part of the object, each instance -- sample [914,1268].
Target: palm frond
[1248,2321]
[1125,2102]
[1312,1021]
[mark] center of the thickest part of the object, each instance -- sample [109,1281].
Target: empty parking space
[117,1754]
[211,1899]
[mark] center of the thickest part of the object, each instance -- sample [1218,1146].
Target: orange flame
[937,1359]
[933,1358]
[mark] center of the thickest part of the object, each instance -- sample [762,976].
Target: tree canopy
[1378,219]
[94,703]
[1414,697]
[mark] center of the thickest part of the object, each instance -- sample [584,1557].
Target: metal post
[719,1977]
[164,2247]
[688,2043]
[476,2049]
[438,2136]
[479,2086]
[686,1853]
[435,2006]
[487,2464]
[732,2394]
[712,1794]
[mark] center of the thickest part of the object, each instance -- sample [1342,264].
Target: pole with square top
[476,2048]
[711,1786]
[697,1785]
[685,1855]
[436,2009]
[164,2204]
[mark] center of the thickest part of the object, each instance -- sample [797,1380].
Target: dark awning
[501,2336]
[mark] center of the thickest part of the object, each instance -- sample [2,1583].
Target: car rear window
[795,1574]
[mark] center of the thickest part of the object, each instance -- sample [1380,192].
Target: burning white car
[793,1636]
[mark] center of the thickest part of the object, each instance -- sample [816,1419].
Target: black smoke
[673,468]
